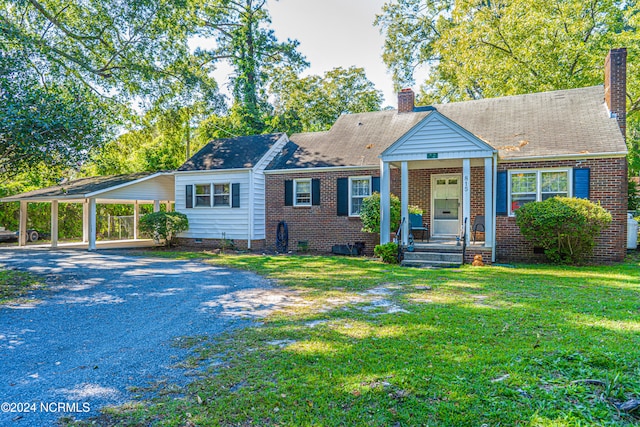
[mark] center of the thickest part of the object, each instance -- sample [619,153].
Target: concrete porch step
[429,264]
[452,257]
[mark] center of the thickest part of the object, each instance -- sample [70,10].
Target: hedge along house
[459,161]
[221,189]
[135,189]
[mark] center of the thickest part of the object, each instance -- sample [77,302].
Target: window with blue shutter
[375,184]
[581,183]
[501,193]
[189,196]
[342,196]
[288,192]
[315,191]
[235,195]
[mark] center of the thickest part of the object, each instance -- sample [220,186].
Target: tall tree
[314,103]
[242,37]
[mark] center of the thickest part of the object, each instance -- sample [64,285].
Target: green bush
[565,227]
[370,213]
[164,225]
[388,252]
[634,196]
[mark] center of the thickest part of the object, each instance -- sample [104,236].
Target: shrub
[388,252]
[634,196]
[415,210]
[164,225]
[565,227]
[370,213]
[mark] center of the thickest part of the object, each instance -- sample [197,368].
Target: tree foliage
[565,227]
[314,103]
[54,125]
[240,30]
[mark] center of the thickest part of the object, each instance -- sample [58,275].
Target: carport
[139,188]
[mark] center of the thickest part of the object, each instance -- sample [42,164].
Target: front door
[445,205]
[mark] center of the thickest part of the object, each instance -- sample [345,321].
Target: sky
[335,33]
[332,33]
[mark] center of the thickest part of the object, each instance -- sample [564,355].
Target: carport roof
[84,188]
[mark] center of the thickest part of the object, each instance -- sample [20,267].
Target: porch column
[54,223]
[385,202]
[136,218]
[488,202]
[92,224]
[404,201]
[85,221]
[466,197]
[22,227]
[156,205]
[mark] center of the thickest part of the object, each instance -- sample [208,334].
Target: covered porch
[135,189]
[450,175]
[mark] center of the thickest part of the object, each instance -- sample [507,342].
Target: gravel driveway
[108,324]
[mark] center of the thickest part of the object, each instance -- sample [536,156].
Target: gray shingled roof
[565,122]
[231,153]
[354,140]
[79,188]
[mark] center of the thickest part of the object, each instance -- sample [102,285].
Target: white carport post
[92,224]
[488,202]
[22,227]
[404,171]
[385,202]
[156,205]
[85,221]
[136,218]
[54,223]
[466,197]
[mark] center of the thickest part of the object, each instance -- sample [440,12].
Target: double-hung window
[531,186]
[359,189]
[302,192]
[203,195]
[221,195]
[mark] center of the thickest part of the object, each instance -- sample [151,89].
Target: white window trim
[538,173]
[195,196]
[295,192]
[351,179]
[213,195]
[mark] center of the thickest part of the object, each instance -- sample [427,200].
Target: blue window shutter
[235,195]
[315,192]
[501,194]
[581,184]
[288,193]
[343,197]
[375,184]
[189,196]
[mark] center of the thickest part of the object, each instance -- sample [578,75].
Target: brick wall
[608,186]
[318,225]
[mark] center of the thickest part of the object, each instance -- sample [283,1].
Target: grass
[377,345]
[16,285]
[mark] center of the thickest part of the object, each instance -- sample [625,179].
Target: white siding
[158,188]
[215,222]
[437,135]
[259,214]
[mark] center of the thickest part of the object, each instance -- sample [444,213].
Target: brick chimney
[406,101]
[615,86]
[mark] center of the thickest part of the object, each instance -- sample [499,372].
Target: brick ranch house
[458,161]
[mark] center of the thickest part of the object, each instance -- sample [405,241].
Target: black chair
[415,224]
[478,225]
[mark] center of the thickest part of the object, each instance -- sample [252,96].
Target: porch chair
[415,223]
[478,225]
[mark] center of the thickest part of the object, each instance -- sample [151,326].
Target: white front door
[446,205]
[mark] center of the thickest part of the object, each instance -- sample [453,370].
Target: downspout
[495,206]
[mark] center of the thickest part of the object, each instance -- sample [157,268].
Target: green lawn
[377,345]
